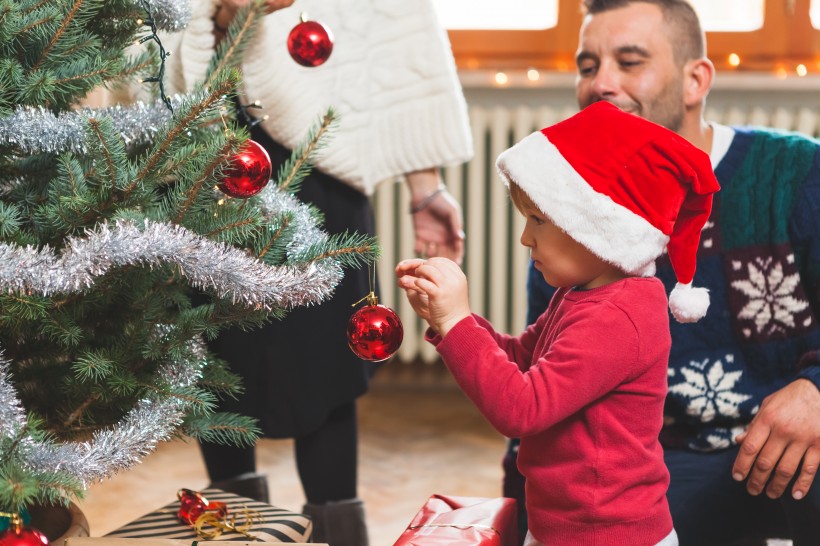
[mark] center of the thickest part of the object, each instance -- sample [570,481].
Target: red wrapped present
[463,521]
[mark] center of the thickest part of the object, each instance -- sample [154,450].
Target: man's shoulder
[763,153]
[770,136]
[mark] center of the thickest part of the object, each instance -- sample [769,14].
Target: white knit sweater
[391,77]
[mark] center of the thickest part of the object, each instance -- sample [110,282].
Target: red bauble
[374,333]
[24,536]
[310,43]
[192,505]
[248,172]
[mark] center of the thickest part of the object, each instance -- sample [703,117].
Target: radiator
[494,261]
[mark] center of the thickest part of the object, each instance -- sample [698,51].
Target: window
[814,13]
[489,14]
[730,15]
[754,35]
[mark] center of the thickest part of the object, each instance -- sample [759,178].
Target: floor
[419,436]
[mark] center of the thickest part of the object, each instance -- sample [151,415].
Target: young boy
[603,193]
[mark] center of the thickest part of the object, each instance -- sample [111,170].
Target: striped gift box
[277,525]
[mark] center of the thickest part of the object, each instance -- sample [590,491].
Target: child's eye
[537,219]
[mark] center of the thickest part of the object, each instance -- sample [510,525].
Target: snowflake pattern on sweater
[760,259]
[710,389]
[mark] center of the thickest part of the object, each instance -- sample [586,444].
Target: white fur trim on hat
[688,304]
[589,217]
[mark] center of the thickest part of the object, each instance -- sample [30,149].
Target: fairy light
[781,73]
[801,70]
[501,78]
[533,75]
[734,59]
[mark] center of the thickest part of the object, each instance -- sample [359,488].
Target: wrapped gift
[463,521]
[103,541]
[268,523]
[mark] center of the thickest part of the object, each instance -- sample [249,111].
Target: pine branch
[298,166]
[78,412]
[66,22]
[231,49]
[215,97]
[211,168]
[277,233]
[107,153]
[351,250]
[223,428]
[35,7]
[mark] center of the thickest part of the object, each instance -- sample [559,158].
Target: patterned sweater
[760,259]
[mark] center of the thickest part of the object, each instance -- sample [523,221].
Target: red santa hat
[623,187]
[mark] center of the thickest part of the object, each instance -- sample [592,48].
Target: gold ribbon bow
[210,519]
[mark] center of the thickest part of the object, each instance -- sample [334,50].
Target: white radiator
[495,262]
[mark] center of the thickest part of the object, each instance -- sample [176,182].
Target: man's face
[625,57]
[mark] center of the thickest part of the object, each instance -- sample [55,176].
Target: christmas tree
[119,255]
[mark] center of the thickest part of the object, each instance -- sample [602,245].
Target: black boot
[339,523]
[250,484]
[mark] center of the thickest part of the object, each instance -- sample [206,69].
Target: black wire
[160,77]
[247,119]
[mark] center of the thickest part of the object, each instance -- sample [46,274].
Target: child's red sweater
[584,389]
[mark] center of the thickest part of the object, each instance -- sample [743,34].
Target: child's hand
[437,290]
[406,271]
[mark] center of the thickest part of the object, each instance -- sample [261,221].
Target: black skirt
[295,371]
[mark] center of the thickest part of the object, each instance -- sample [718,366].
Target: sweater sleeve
[192,48]
[809,367]
[596,350]
[519,349]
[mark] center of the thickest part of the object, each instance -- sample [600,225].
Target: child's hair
[519,197]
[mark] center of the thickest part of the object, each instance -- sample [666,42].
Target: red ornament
[192,505]
[375,331]
[248,172]
[17,535]
[310,42]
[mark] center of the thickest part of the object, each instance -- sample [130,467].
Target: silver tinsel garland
[151,421]
[170,15]
[230,272]
[226,270]
[37,130]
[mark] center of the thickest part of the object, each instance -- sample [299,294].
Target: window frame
[786,39]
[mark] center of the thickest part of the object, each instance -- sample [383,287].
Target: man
[742,418]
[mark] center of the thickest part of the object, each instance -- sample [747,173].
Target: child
[603,193]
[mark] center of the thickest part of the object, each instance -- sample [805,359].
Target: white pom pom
[688,304]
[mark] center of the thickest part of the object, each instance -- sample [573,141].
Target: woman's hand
[438,223]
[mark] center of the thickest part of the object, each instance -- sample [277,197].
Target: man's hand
[785,432]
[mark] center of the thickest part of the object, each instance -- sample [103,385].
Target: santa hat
[623,187]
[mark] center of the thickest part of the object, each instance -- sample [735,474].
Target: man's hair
[679,15]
